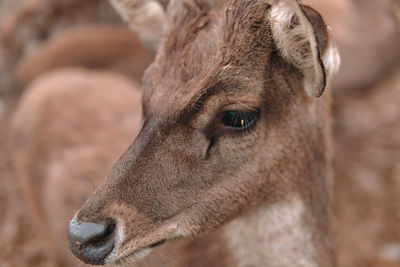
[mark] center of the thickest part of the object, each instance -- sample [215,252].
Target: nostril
[91,242]
[109,228]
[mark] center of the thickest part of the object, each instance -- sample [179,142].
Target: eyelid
[240,106]
[216,127]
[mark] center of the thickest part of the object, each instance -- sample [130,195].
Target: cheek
[239,148]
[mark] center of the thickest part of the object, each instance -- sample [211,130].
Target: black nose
[91,242]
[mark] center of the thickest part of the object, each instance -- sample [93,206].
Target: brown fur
[207,62]
[359,210]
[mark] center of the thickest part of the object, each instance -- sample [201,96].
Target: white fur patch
[272,236]
[145,18]
[127,258]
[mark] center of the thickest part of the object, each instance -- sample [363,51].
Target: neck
[277,235]
[282,234]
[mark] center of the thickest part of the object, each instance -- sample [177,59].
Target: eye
[239,120]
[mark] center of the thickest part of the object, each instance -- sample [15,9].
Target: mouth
[133,257]
[153,240]
[104,242]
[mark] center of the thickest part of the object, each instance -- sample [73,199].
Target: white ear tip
[331,61]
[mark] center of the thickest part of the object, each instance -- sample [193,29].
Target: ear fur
[302,39]
[145,17]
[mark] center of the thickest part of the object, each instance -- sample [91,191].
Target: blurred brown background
[89,47]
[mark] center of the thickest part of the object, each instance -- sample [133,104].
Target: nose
[91,242]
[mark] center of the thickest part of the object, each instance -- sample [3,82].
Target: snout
[91,242]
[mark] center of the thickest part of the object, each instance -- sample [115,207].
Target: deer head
[230,122]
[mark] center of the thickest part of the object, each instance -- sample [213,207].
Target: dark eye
[239,120]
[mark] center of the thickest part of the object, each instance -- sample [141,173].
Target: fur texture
[296,37]
[266,226]
[210,62]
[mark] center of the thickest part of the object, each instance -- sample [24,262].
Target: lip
[131,258]
[168,231]
[138,254]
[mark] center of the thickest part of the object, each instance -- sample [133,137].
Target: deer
[58,153]
[234,150]
[359,242]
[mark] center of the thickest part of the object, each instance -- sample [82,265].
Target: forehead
[202,52]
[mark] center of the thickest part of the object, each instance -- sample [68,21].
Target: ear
[145,17]
[302,39]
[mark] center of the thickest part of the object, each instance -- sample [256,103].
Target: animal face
[229,122]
